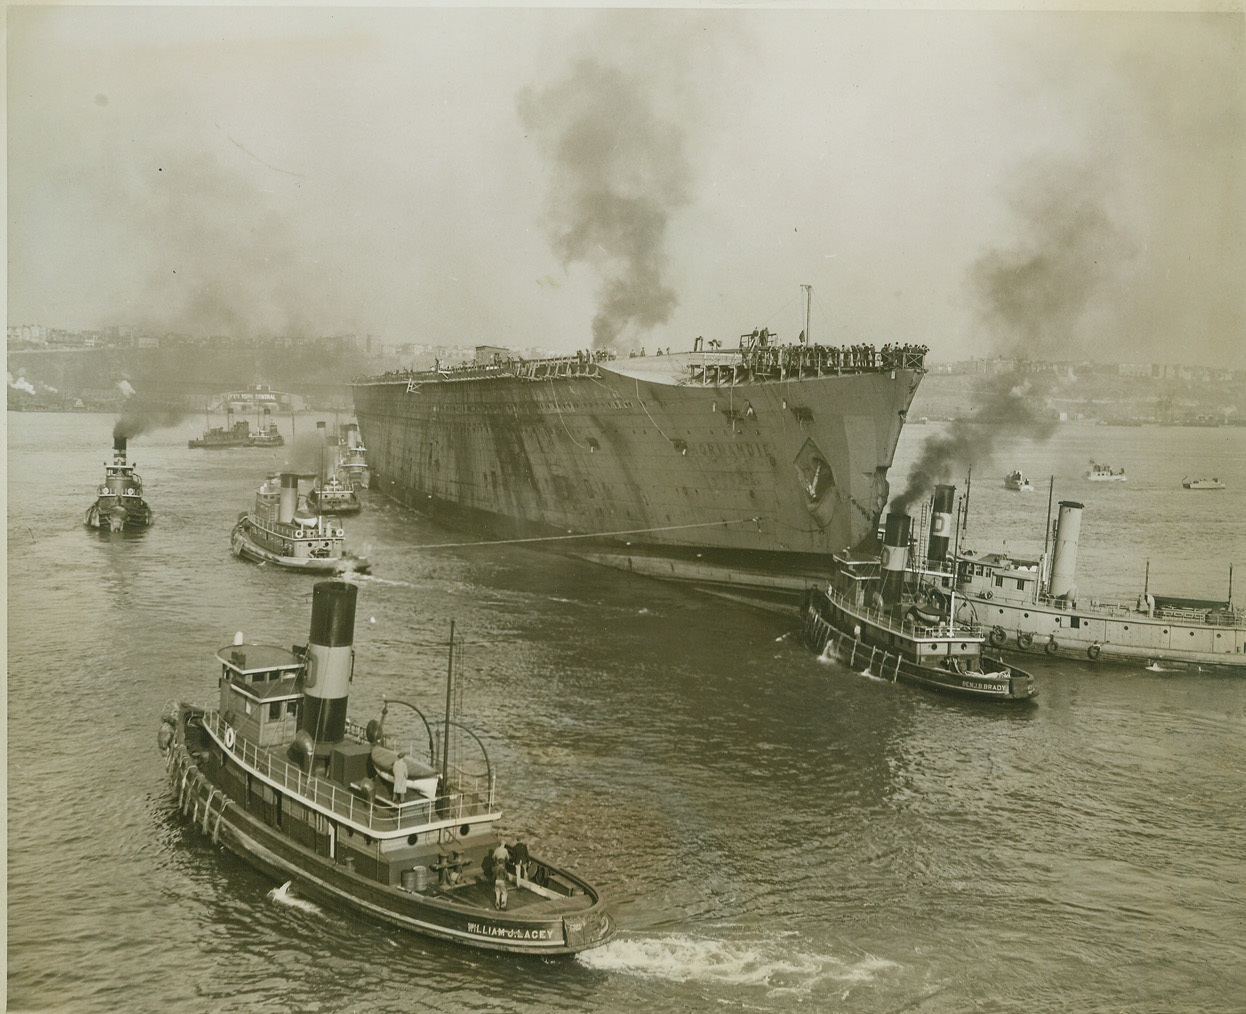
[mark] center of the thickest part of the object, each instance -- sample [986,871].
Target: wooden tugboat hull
[214,812]
[825,624]
[244,548]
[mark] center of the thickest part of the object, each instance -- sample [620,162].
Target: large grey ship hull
[740,471]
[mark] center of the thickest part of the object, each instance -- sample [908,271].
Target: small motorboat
[1104,473]
[1016,481]
[1188,483]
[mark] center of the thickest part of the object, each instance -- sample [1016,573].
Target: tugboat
[1014,480]
[120,503]
[333,496]
[1188,483]
[1104,473]
[278,774]
[353,457]
[901,623]
[267,435]
[232,434]
[280,531]
[1033,603]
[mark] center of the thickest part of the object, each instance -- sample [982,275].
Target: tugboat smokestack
[1064,556]
[330,661]
[118,450]
[289,497]
[895,556]
[941,506]
[352,435]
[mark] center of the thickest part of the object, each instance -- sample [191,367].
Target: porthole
[412,839]
[463,830]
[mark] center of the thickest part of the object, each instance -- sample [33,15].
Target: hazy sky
[1059,183]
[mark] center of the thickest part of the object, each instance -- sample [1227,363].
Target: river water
[774,832]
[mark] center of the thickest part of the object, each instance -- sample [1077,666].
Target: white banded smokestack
[289,497]
[941,506]
[330,661]
[118,450]
[895,556]
[352,435]
[1064,555]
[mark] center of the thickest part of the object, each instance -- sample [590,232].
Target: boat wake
[283,896]
[360,578]
[771,964]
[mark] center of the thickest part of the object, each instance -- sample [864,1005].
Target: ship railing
[885,619]
[759,363]
[470,795]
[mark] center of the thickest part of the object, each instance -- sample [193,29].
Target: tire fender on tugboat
[1094,651]
[1051,647]
[1025,640]
[999,637]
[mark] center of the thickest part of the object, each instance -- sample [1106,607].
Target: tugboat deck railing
[474,800]
[885,621]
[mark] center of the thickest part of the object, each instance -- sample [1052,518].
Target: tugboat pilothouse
[353,457]
[280,531]
[120,503]
[278,773]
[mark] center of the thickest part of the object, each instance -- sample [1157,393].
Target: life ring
[988,595]
[230,737]
[299,534]
[998,637]
[129,491]
[1094,651]
[1051,647]
[1026,640]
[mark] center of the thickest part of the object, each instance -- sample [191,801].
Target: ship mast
[445,743]
[808,299]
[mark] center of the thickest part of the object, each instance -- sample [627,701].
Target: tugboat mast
[445,744]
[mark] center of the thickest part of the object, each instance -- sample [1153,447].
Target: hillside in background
[320,375]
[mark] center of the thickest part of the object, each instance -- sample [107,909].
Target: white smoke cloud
[21,384]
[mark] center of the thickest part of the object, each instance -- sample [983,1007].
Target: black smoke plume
[1009,405]
[142,415]
[1034,299]
[619,172]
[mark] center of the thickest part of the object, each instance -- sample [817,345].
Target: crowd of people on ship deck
[761,356]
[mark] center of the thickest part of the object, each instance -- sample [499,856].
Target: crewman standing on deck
[400,778]
[500,858]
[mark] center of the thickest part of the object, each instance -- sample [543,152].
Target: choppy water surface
[775,831]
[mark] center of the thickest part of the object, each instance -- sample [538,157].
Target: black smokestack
[330,661]
[940,523]
[619,171]
[118,450]
[895,556]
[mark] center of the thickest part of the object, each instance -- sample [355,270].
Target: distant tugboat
[1016,481]
[268,435]
[120,503]
[353,457]
[232,434]
[278,774]
[1104,473]
[1188,483]
[280,531]
[900,622]
[333,496]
